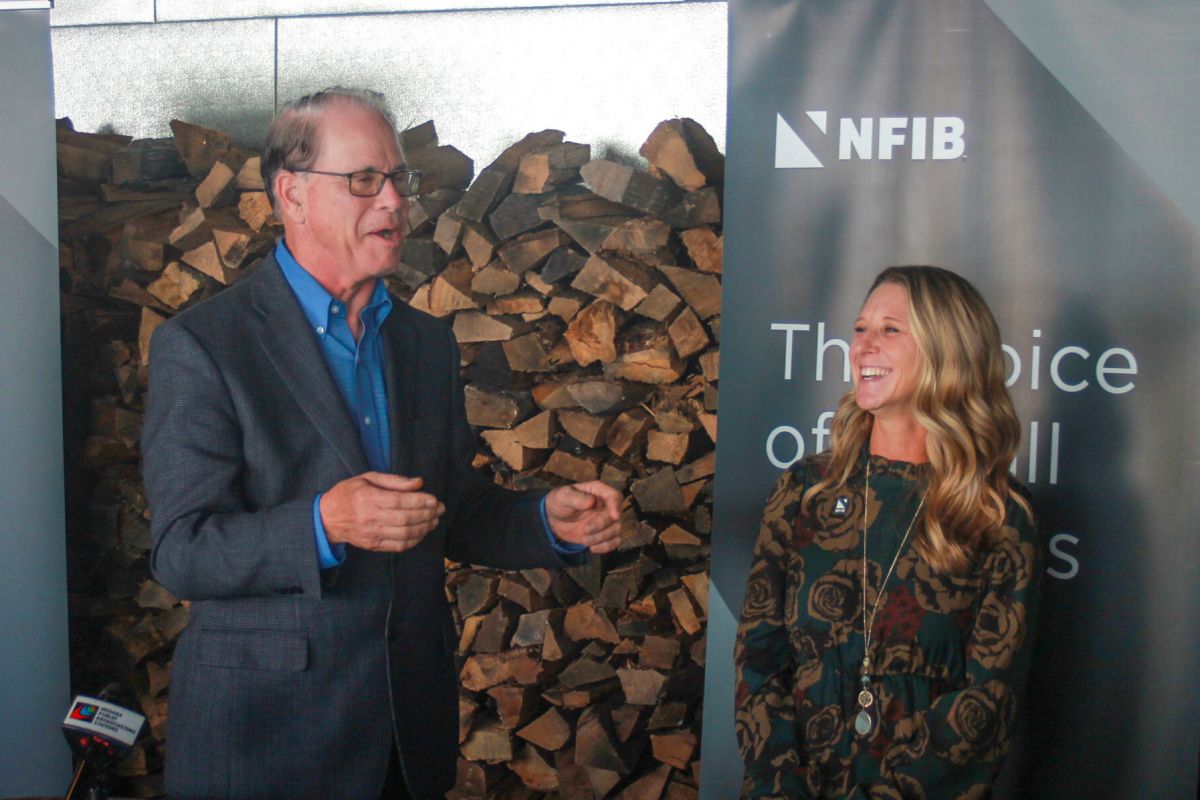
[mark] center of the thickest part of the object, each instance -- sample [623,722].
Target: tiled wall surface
[605,73]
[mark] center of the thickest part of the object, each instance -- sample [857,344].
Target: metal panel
[35,667]
[90,12]
[240,9]
[604,75]
[134,79]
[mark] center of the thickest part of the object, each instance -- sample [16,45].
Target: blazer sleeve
[487,524]
[207,542]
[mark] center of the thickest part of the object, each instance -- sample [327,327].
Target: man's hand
[378,511]
[586,513]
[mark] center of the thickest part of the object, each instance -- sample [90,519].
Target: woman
[888,616]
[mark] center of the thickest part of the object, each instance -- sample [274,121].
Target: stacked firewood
[585,297]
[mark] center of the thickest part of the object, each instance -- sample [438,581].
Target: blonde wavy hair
[972,430]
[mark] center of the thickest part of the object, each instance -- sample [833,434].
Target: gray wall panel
[23,178]
[91,12]
[605,76]
[133,79]
[34,668]
[240,9]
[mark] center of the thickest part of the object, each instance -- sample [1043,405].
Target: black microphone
[99,732]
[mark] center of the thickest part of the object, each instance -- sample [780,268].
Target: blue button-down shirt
[356,367]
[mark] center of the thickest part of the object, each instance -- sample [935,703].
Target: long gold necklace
[864,720]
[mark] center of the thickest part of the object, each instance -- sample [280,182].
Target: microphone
[99,732]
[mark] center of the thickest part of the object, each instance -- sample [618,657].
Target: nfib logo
[939,138]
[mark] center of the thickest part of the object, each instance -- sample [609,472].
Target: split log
[479,242]
[549,167]
[450,291]
[628,431]
[533,628]
[667,447]
[217,188]
[705,248]
[675,749]
[473,326]
[683,611]
[484,195]
[574,467]
[592,334]
[249,177]
[495,408]
[687,334]
[620,282]
[255,210]
[660,304]
[443,167]
[644,239]
[659,493]
[489,742]
[495,279]
[684,151]
[517,214]
[549,731]
[146,161]
[533,770]
[642,687]
[647,356]
[506,445]
[588,429]
[701,207]
[426,208]
[538,432]
[201,148]
[629,187]
[177,286]
[562,263]
[531,249]
[586,622]
[701,291]
[648,787]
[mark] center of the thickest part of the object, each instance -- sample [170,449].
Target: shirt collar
[316,302]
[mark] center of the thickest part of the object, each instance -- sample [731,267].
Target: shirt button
[335,308]
[320,331]
[367,420]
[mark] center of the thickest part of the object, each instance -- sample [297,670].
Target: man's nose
[389,197]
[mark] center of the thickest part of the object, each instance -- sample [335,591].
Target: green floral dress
[950,653]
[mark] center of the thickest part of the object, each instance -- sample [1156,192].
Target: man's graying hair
[292,138]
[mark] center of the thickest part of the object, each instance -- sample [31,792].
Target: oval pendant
[865,698]
[862,723]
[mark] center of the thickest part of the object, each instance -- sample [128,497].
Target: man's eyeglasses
[369,182]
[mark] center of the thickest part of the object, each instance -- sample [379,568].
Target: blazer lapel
[399,372]
[295,353]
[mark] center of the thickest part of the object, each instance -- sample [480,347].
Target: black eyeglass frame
[410,187]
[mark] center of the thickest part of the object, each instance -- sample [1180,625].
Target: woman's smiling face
[884,356]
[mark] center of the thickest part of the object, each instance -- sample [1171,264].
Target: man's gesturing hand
[378,511]
[586,513]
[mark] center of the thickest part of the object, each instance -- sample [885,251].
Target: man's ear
[289,197]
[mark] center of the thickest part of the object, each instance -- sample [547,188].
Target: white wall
[604,72]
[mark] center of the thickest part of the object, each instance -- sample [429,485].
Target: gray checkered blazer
[292,682]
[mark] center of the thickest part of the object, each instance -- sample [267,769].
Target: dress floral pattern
[950,653]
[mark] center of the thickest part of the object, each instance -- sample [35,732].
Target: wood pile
[585,296]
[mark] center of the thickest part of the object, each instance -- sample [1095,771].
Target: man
[307,462]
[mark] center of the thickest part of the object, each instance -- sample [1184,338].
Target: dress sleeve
[763,659]
[955,748]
